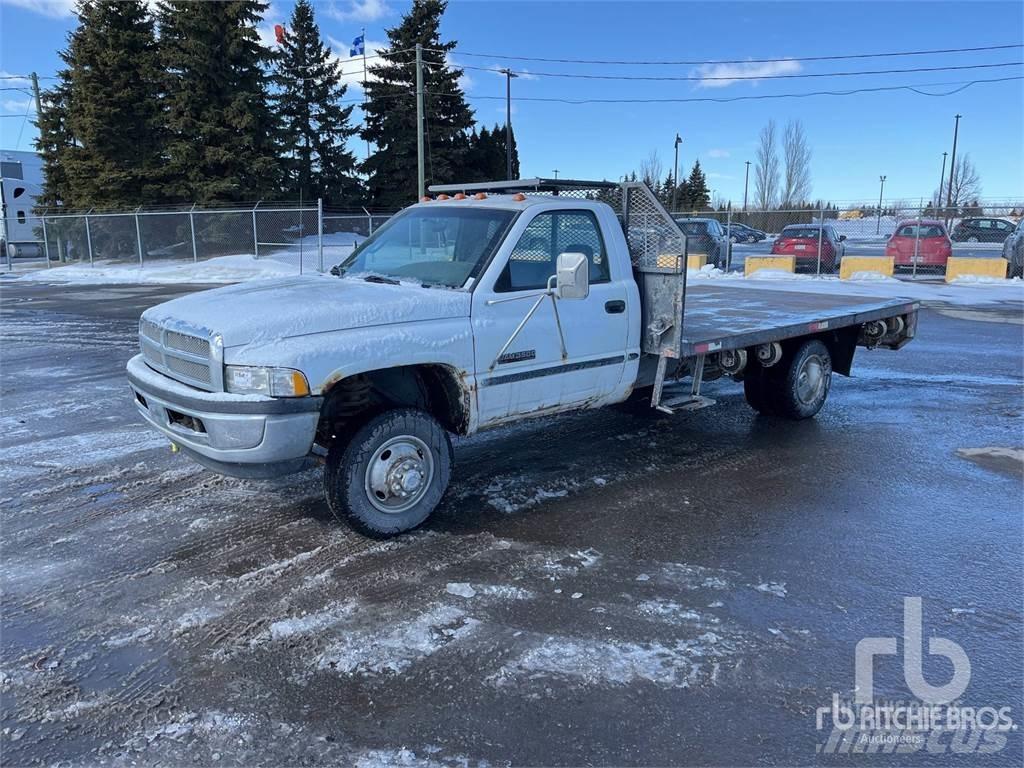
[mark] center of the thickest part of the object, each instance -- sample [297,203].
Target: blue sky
[854,138]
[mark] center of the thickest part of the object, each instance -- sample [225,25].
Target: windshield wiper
[381,279]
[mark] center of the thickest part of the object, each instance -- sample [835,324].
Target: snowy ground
[607,588]
[303,257]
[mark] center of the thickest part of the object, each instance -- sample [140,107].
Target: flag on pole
[358,46]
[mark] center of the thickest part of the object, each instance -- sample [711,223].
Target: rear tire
[391,475]
[798,386]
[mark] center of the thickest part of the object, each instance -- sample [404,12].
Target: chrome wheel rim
[811,380]
[399,474]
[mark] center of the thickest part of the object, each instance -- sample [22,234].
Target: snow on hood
[266,310]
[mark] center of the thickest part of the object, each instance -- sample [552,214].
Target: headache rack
[657,249]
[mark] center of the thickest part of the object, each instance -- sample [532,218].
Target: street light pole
[508,121]
[878,222]
[675,172]
[555,171]
[746,184]
[952,162]
[420,168]
[942,179]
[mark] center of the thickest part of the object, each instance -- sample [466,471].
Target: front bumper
[238,435]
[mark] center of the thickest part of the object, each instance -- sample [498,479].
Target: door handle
[616,307]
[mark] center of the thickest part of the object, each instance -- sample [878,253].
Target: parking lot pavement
[607,588]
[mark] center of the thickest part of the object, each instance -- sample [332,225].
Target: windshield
[927,230]
[431,245]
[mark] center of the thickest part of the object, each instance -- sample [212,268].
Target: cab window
[535,256]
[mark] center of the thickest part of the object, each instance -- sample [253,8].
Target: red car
[801,240]
[932,246]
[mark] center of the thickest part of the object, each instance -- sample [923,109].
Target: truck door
[532,375]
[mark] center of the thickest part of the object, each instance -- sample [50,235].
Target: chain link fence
[301,237]
[306,238]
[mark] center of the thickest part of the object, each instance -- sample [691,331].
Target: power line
[734,61]
[730,78]
[962,85]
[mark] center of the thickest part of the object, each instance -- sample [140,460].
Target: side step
[685,403]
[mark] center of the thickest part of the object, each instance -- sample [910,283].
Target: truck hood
[267,310]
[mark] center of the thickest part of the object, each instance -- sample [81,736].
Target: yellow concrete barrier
[851,265]
[693,261]
[961,266]
[780,263]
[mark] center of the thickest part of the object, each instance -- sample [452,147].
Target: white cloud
[15,106]
[359,10]
[13,81]
[727,73]
[718,153]
[55,9]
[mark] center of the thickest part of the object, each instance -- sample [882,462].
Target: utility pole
[364,89]
[942,180]
[952,163]
[878,221]
[35,92]
[746,185]
[509,74]
[555,171]
[420,168]
[675,173]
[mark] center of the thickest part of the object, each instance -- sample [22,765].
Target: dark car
[801,241]
[705,236]
[741,233]
[981,229]
[1013,250]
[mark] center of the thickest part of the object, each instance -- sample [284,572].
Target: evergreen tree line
[181,103]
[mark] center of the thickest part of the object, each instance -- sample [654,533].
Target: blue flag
[358,46]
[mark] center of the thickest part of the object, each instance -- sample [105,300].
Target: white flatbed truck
[482,305]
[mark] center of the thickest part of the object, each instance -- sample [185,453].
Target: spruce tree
[221,143]
[315,123]
[102,144]
[391,111]
[697,192]
[54,143]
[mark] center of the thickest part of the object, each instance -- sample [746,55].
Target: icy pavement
[607,588]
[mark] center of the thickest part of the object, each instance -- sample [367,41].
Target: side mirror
[572,281]
[842,237]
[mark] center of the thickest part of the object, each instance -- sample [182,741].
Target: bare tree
[796,154]
[966,182]
[766,170]
[651,171]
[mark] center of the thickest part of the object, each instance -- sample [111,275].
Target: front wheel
[391,475]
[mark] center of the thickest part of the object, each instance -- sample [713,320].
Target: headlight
[276,382]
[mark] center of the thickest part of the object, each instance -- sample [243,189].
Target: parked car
[928,248]
[705,236]
[741,233]
[981,229]
[801,240]
[1013,250]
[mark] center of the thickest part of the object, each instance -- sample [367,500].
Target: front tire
[391,474]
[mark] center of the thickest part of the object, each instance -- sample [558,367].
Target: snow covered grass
[301,257]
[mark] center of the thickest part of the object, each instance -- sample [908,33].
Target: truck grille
[179,355]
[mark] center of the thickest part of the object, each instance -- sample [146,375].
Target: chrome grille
[181,356]
[191,344]
[189,369]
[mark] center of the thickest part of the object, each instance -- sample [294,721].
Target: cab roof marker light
[460,196]
[442,197]
[519,197]
[480,196]
[425,199]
